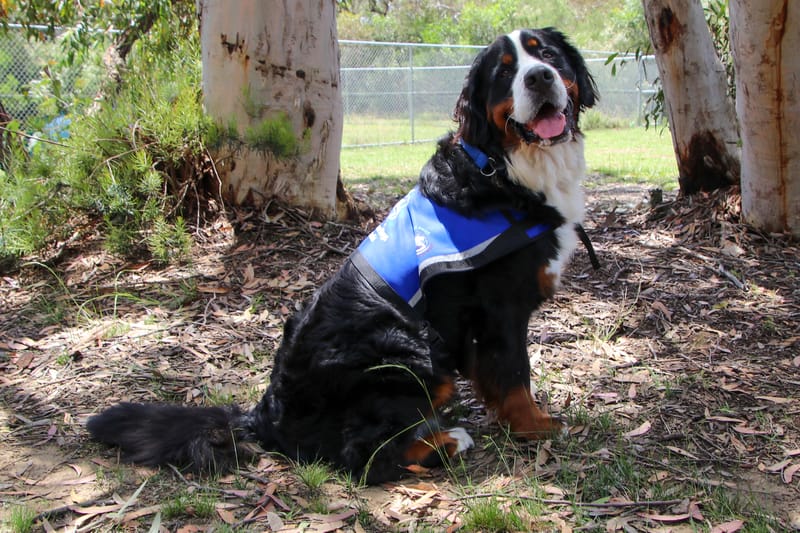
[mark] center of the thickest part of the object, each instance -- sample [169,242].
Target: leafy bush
[133,162]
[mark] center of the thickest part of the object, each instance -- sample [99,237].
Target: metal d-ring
[490,165]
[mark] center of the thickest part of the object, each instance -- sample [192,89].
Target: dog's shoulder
[451,179]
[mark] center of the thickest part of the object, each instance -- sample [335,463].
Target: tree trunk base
[348,208]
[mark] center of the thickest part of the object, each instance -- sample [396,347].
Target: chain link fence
[396,93]
[36,86]
[393,93]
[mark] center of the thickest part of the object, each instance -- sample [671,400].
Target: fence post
[411,90]
[639,84]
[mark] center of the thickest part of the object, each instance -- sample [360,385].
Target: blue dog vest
[421,239]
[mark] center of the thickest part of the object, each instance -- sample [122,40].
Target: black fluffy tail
[203,439]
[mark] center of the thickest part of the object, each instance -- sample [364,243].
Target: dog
[365,366]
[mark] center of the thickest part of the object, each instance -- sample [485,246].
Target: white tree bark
[765,38]
[701,115]
[273,62]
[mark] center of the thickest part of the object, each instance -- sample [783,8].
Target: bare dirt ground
[677,365]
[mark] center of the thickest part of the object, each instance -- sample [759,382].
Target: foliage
[43,18]
[478,22]
[274,135]
[718,19]
[134,161]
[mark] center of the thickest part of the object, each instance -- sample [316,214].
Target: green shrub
[133,162]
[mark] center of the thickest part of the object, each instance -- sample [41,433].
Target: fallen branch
[607,505]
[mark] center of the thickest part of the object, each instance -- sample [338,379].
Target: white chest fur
[557,172]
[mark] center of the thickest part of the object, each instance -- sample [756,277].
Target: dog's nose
[539,77]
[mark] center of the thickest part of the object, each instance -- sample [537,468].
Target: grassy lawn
[632,155]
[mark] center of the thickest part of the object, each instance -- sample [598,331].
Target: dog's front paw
[462,438]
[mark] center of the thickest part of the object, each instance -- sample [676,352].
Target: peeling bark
[701,115]
[268,62]
[765,37]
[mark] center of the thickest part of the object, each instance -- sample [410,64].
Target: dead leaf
[725,419]
[138,513]
[642,376]
[744,430]
[94,509]
[776,399]
[660,475]
[552,490]
[638,432]
[683,452]
[728,527]
[777,467]
[210,289]
[668,518]
[274,521]
[658,306]
[226,516]
[789,473]
[739,445]
[693,513]
[191,528]
[24,360]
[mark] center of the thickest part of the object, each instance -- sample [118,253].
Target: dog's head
[528,87]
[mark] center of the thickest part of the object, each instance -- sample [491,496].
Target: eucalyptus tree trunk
[701,115]
[271,81]
[765,38]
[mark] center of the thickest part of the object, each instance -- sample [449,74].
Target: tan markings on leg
[443,393]
[519,410]
[547,282]
[421,449]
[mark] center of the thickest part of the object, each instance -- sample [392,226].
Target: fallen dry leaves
[680,356]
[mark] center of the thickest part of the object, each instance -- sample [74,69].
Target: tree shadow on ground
[675,365]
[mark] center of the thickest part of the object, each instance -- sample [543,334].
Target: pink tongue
[548,127]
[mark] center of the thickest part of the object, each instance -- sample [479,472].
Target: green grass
[313,475]
[634,155]
[20,519]
[630,155]
[365,129]
[489,515]
[189,504]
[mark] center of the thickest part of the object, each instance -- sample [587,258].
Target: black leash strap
[588,244]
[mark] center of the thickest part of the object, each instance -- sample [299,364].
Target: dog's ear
[586,84]
[470,111]
[587,88]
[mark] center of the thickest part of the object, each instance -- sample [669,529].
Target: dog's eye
[505,72]
[548,54]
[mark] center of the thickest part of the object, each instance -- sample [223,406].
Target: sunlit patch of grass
[632,155]
[491,515]
[628,155]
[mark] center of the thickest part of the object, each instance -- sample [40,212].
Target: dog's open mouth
[547,127]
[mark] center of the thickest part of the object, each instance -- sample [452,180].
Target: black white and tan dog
[444,286]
